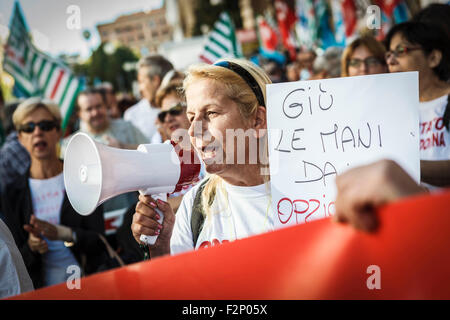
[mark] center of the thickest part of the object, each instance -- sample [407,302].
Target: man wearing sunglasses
[49,233]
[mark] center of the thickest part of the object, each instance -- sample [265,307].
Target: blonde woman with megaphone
[225,103]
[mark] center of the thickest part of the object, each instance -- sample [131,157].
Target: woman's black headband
[246,76]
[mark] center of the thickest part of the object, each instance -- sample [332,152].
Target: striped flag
[222,41]
[35,73]
[286,21]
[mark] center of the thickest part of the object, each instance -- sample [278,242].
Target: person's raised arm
[361,190]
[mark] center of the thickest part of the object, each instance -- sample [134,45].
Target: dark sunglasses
[44,125]
[176,110]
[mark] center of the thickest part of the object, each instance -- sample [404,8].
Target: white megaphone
[94,172]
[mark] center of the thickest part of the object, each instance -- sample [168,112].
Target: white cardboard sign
[321,128]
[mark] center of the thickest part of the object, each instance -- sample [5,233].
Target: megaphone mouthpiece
[94,172]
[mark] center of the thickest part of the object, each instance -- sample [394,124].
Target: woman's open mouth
[40,145]
[209,152]
[174,127]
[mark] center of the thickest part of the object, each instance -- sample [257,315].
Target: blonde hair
[373,45]
[239,91]
[30,105]
[173,87]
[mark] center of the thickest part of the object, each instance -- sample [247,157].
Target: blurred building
[249,9]
[142,31]
[186,9]
[252,8]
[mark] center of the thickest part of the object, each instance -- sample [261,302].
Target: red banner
[268,36]
[286,19]
[349,16]
[408,258]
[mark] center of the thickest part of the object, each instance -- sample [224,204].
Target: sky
[55,27]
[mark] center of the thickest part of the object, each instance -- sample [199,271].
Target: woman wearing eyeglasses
[363,56]
[416,46]
[50,235]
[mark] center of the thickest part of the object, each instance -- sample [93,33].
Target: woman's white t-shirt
[47,198]
[237,213]
[434,136]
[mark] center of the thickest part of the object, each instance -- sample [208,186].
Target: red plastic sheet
[319,260]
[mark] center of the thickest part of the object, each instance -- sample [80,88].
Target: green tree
[102,66]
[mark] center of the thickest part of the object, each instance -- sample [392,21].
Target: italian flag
[36,73]
[222,41]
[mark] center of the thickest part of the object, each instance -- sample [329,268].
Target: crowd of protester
[229,94]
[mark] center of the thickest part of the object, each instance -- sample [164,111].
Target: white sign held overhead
[321,128]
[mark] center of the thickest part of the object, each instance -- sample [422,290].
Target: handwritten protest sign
[321,128]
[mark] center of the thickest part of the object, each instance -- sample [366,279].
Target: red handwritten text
[303,209]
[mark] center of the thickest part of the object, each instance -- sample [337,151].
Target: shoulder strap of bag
[111,252]
[198,217]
